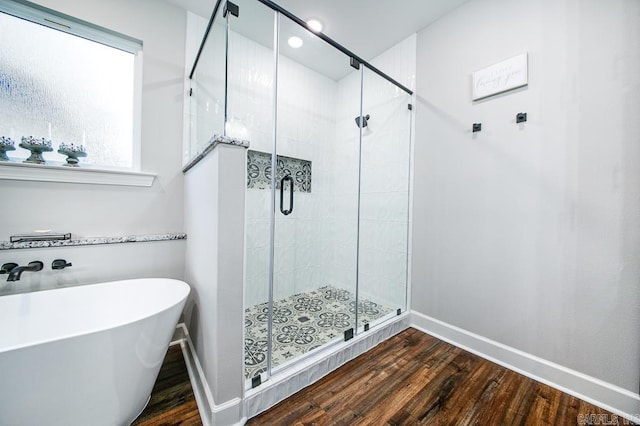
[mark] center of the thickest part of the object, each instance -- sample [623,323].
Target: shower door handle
[282,210]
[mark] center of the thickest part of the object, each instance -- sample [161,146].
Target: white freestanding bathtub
[86,355]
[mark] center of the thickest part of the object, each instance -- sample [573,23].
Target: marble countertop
[5,245]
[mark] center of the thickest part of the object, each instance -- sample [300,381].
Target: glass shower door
[384,200]
[316,190]
[251,104]
[208,100]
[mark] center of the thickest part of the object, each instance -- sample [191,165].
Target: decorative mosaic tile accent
[5,245]
[259,171]
[301,323]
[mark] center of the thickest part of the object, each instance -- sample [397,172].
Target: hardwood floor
[410,379]
[414,379]
[172,402]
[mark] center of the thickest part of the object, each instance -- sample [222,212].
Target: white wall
[98,210]
[529,235]
[95,264]
[214,219]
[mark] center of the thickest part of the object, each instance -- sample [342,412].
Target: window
[69,81]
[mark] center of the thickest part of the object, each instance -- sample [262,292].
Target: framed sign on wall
[501,77]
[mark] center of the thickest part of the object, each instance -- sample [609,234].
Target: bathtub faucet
[16,271]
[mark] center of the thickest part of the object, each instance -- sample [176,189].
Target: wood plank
[414,378]
[172,401]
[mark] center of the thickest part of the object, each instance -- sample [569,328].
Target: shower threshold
[301,323]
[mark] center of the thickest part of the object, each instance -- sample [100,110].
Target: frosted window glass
[69,89]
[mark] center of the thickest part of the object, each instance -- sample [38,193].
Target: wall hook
[476,127]
[521,117]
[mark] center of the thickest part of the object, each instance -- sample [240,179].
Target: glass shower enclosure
[328,169]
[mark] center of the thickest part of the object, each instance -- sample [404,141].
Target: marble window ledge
[5,245]
[213,142]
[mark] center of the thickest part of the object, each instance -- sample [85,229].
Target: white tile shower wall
[305,130]
[385,179]
[250,97]
[340,242]
[399,62]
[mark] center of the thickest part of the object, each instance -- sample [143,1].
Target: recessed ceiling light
[314,25]
[295,42]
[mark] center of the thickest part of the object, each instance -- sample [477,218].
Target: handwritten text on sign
[501,77]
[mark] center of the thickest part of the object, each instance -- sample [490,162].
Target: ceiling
[369,27]
[365,27]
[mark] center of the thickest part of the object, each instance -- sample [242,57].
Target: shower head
[362,121]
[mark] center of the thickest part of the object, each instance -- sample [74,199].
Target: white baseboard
[227,413]
[595,391]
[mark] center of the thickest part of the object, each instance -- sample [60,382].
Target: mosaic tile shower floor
[302,322]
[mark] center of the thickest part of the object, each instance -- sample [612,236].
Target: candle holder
[6,144]
[72,152]
[37,147]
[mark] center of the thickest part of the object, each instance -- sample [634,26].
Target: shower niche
[326,234]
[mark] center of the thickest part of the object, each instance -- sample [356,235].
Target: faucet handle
[7,267]
[35,266]
[60,264]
